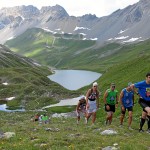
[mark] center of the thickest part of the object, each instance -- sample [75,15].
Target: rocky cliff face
[126,25]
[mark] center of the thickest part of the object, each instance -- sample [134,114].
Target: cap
[112,84]
[130,83]
[82,97]
[95,84]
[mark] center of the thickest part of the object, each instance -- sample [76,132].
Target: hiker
[126,101]
[36,117]
[92,102]
[144,97]
[81,108]
[110,101]
[45,119]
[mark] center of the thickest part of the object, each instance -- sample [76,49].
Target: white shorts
[92,106]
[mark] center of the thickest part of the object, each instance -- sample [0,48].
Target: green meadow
[118,63]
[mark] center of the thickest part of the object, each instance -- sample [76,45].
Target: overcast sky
[75,7]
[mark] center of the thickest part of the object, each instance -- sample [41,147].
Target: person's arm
[133,98]
[97,100]
[87,95]
[105,96]
[135,90]
[120,98]
[78,106]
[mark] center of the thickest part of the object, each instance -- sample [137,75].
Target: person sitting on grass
[45,119]
[36,117]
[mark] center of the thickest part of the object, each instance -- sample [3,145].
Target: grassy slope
[30,135]
[131,64]
[62,52]
[27,82]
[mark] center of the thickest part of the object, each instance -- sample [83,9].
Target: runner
[110,101]
[81,108]
[144,97]
[92,102]
[127,101]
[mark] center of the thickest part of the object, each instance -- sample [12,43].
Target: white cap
[95,84]
[82,97]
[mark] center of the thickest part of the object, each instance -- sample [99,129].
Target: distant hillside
[27,82]
[63,51]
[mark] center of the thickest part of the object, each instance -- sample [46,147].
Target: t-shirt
[111,97]
[143,89]
[127,98]
[44,118]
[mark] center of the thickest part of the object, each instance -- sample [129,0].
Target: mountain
[130,24]
[70,51]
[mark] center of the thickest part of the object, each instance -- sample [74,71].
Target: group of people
[89,104]
[41,118]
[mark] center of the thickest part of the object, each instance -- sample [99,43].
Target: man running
[81,108]
[110,101]
[92,102]
[144,94]
[126,101]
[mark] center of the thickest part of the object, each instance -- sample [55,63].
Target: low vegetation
[127,63]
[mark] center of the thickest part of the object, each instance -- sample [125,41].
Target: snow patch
[121,37]
[83,34]
[84,38]
[122,31]
[79,28]
[10,98]
[5,83]
[131,40]
[94,39]
[110,39]
[11,38]
[47,30]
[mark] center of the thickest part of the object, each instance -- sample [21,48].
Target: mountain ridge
[130,24]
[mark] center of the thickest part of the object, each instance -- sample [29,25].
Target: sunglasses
[113,86]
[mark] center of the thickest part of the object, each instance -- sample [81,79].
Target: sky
[75,7]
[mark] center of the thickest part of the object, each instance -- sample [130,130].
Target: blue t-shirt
[143,89]
[127,98]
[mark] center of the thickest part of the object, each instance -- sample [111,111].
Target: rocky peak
[24,11]
[54,11]
[89,17]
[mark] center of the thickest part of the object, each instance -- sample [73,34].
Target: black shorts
[112,108]
[143,103]
[128,108]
